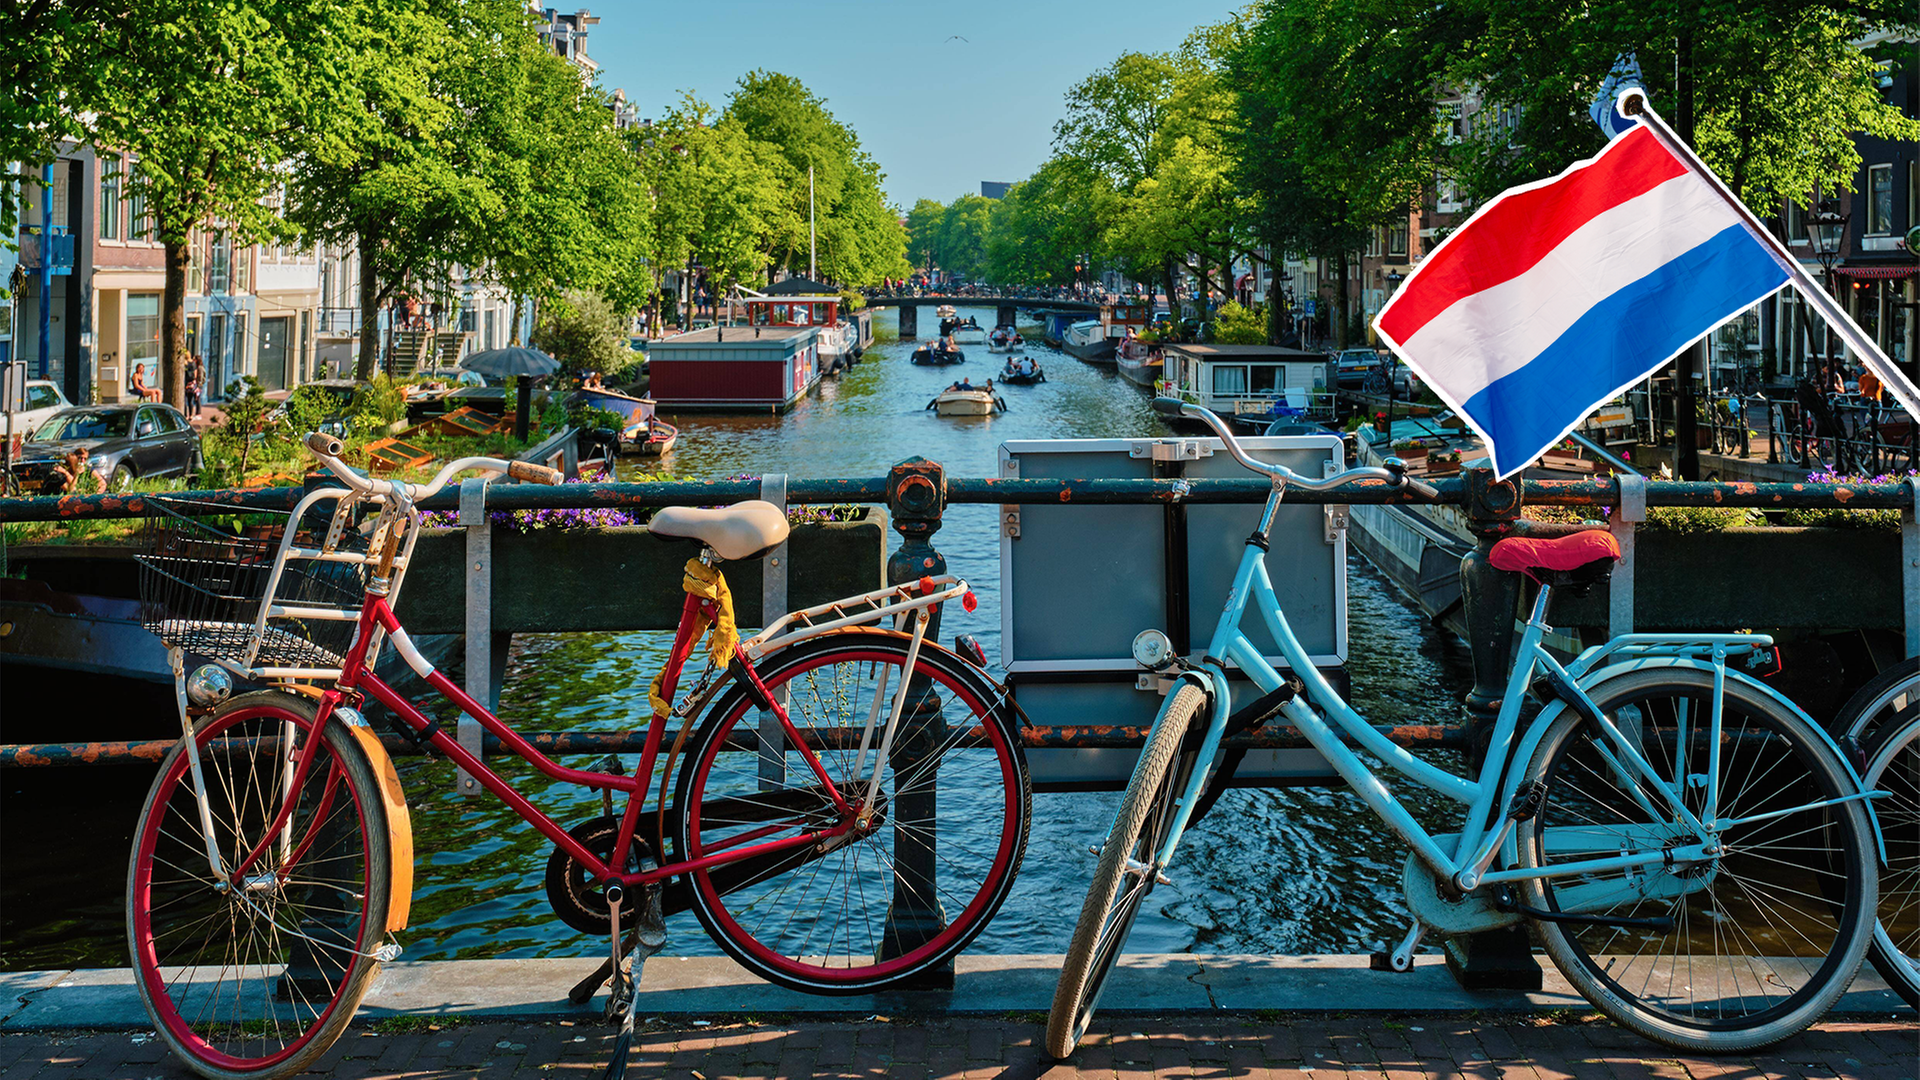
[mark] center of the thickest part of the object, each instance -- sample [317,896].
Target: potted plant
[1444,463]
[1566,456]
[1410,451]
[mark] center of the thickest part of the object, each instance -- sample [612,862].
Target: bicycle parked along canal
[1881,723]
[272,863]
[1694,853]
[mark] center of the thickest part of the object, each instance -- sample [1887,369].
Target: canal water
[1295,870]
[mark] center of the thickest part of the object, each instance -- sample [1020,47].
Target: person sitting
[966,384]
[946,343]
[67,476]
[592,381]
[989,387]
[953,387]
[1027,366]
[137,385]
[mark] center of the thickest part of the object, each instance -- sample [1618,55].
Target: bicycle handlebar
[1393,471]
[328,449]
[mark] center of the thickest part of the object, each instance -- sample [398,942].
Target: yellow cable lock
[707,583]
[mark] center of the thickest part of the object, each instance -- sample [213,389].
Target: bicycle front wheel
[1893,766]
[1124,875]
[1765,935]
[257,980]
[918,864]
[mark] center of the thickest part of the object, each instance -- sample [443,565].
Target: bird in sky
[956,37]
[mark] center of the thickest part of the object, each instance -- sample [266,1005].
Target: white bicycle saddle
[736,532]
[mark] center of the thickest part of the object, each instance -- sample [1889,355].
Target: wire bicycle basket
[234,587]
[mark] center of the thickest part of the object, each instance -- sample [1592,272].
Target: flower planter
[1437,467]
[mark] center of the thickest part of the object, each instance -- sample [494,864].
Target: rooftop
[732,335]
[1246,352]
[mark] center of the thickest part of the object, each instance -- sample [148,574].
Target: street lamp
[1394,278]
[1826,231]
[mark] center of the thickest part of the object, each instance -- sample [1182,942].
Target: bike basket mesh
[205,578]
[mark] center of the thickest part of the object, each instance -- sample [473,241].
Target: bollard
[1498,959]
[916,498]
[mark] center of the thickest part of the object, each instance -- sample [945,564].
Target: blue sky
[940,116]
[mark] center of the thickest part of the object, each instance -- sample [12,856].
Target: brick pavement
[1294,1046]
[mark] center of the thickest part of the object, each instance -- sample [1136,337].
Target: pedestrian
[194,377]
[1869,385]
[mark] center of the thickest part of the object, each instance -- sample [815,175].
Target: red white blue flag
[1560,294]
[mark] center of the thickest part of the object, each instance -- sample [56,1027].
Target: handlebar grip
[1423,489]
[538,474]
[1169,407]
[322,443]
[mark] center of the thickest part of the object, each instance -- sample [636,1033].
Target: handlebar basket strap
[206,574]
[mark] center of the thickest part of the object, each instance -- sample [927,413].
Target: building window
[243,270]
[1796,223]
[1397,239]
[139,226]
[109,198]
[220,264]
[1879,200]
[196,262]
[1229,380]
[143,335]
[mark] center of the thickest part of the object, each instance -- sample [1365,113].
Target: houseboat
[1248,384]
[736,368]
[799,302]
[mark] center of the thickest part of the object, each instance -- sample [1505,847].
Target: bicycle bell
[209,685]
[1152,650]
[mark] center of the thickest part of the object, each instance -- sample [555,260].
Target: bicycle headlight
[1152,650]
[209,685]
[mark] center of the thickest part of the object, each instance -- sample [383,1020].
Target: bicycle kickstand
[648,937]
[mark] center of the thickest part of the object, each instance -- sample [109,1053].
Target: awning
[1876,273]
[1242,280]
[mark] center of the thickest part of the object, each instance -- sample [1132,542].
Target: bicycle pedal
[1527,799]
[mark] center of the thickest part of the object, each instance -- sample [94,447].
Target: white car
[43,400]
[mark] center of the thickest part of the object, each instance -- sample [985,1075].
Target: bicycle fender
[399,827]
[1592,680]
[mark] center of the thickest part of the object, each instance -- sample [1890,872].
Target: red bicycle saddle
[1576,558]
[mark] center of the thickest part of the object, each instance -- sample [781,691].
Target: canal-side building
[735,368]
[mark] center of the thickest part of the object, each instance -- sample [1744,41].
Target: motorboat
[1014,376]
[966,403]
[944,311]
[651,437]
[1088,340]
[967,332]
[1005,339]
[932,353]
[1138,361]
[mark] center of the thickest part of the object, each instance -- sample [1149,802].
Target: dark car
[122,443]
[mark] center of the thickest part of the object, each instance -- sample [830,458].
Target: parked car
[43,400]
[1353,365]
[122,442]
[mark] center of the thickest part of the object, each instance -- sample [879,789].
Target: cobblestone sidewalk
[1256,1047]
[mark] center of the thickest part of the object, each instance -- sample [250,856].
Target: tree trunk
[1166,272]
[1340,300]
[1275,304]
[519,310]
[369,309]
[173,328]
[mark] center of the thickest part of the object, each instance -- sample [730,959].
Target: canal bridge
[1005,307]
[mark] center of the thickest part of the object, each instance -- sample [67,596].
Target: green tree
[1114,132]
[585,333]
[923,232]
[716,196]
[963,235]
[211,98]
[57,55]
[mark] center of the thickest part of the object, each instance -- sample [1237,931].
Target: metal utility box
[1079,581]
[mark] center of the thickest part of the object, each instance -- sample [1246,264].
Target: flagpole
[1633,102]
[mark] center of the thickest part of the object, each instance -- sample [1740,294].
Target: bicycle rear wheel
[911,877]
[1125,873]
[1766,936]
[1893,766]
[257,981]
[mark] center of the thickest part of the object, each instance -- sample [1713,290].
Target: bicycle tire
[773,914]
[1783,918]
[1893,766]
[276,973]
[1889,697]
[1107,915]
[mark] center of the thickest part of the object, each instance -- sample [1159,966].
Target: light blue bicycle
[1693,852]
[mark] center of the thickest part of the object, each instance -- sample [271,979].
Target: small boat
[1088,340]
[649,438]
[1005,339]
[1138,361]
[968,332]
[931,353]
[1015,377]
[944,311]
[966,403]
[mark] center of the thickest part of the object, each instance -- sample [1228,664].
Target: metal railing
[1844,433]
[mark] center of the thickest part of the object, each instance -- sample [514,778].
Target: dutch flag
[1560,294]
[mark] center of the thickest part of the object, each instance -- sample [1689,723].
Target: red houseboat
[735,368]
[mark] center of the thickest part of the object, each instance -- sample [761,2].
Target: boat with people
[1088,340]
[967,331]
[962,399]
[936,354]
[1095,339]
[651,437]
[1139,361]
[1005,339]
[944,311]
[1022,371]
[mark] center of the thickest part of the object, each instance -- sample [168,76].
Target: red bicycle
[272,864]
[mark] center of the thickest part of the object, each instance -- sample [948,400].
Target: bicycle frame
[1486,796]
[376,620]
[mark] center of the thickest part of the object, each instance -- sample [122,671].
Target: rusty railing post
[916,499]
[1497,959]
